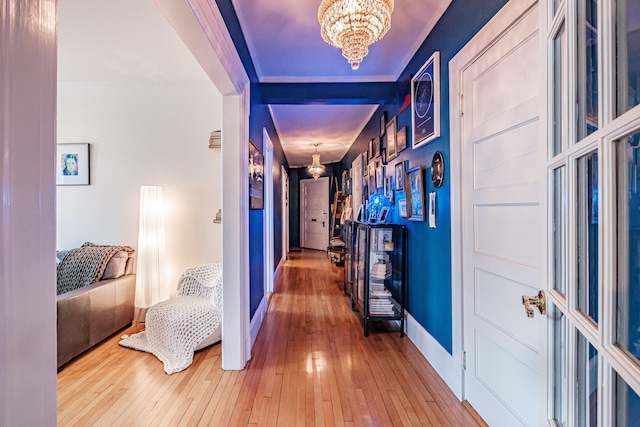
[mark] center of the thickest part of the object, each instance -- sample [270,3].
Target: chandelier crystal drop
[315,169]
[353,25]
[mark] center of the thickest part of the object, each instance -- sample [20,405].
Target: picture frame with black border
[256,178]
[425,102]
[392,147]
[399,175]
[383,123]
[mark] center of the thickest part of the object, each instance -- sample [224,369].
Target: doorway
[314,213]
[497,135]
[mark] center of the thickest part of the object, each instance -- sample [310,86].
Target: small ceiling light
[352,25]
[315,169]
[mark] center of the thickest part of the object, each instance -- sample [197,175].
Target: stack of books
[380,302]
[381,271]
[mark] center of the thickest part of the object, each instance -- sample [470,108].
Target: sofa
[96,301]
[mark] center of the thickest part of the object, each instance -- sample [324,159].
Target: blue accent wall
[259,119]
[429,250]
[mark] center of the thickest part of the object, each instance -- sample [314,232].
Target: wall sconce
[151,285]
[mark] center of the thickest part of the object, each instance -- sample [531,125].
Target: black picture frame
[401,139]
[392,146]
[399,175]
[256,178]
[383,123]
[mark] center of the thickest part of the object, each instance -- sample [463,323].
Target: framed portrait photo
[256,178]
[425,102]
[402,208]
[414,187]
[401,139]
[392,145]
[72,164]
[399,171]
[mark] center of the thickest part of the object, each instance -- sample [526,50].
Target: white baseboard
[276,274]
[443,363]
[257,319]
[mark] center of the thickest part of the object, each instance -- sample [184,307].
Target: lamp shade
[151,263]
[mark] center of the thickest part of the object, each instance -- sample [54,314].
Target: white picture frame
[425,102]
[72,164]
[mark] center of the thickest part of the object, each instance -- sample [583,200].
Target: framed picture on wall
[256,178]
[402,208]
[425,102]
[399,176]
[401,139]
[72,164]
[414,187]
[392,147]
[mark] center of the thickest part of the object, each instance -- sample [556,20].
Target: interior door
[503,223]
[314,201]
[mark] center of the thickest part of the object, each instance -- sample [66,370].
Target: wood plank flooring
[311,366]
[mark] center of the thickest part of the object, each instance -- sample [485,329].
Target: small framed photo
[72,164]
[392,146]
[414,186]
[256,178]
[401,139]
[376,147]
[383,123]
[387,186]
[425,102]
[379,174]
[402,208]
[400,176]
[383,214]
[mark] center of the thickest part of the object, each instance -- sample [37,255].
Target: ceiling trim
[328,93]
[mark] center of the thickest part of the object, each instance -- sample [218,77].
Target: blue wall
[429,250]
[259,119]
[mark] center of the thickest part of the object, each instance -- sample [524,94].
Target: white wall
[143,134]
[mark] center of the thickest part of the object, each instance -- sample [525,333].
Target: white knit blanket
[173,328]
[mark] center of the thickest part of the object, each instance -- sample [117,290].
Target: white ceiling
[132,41]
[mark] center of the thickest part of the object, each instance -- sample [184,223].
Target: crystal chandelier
[315,169]
[352,25]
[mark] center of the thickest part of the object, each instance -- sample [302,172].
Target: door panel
[314,215]
[503,232]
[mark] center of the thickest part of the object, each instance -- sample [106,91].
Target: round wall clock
[437,169]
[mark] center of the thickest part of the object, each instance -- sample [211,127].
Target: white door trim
[27,213]
[268,212]
[467,55]
[285,214]
[201,27]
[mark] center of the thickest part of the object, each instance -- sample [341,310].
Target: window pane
[559,366]
[558,231]
[628,315]
[588,235]
[588,69]
[627,411]
[586,384]
[559,100]
[628,54]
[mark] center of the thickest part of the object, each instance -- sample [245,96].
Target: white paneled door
[314,215]
[503,226]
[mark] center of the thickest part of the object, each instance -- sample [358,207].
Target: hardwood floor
[311,365]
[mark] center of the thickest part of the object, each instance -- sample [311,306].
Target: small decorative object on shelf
[377,272]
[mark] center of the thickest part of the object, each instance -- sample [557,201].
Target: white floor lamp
[151,263]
